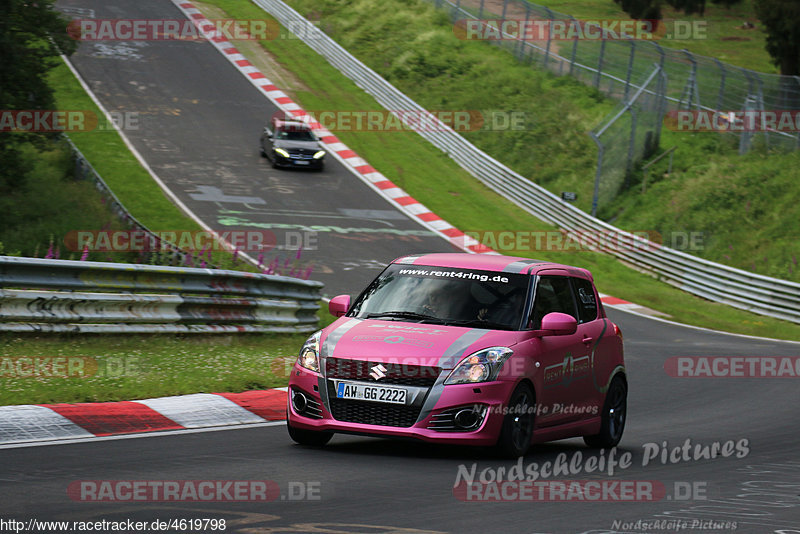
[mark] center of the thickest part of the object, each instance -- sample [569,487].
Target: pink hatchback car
[465,349]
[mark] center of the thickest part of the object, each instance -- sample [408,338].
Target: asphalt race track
[199,130]
[199,123]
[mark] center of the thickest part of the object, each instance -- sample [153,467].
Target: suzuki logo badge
[378,371]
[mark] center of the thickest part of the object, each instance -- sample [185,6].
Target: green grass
[406,40]
[49,204]
[128,367]
[722,34]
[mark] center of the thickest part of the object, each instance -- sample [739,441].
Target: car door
[563,359]
[591,329]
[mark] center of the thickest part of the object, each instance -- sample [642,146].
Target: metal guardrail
[737,288]
[44,295]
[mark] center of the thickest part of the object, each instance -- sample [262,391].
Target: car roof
[493,262]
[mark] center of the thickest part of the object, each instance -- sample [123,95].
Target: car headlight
[309,354]
[281,152]
[481,366]
[319,154]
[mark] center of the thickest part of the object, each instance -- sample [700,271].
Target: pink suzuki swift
[465,349]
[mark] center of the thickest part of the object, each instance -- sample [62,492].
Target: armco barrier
[43,295]
[713,281]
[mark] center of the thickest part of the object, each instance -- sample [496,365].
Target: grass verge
[129,367]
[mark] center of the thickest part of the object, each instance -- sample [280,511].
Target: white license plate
[301,162]
[349,390]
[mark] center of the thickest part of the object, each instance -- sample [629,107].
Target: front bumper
[429,422]
[298,162]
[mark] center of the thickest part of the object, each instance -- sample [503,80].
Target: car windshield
[296,134]
[447,296]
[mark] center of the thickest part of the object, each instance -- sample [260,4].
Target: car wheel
[615,411]
[312,438]
[517,429]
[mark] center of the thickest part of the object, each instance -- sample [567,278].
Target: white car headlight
[319,154]
[282,152]
[481,366]
[309,354]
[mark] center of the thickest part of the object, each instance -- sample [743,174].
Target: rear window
[587,302]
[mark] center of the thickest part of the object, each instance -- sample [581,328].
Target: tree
[651,9]
[31,35]
[782,21]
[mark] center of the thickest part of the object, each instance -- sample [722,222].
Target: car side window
[587,303]
[553,294]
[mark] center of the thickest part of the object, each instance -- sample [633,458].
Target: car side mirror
[339,305]
[557,324]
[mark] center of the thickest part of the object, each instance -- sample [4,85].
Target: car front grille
[373,413]
[376,413]
[396,374]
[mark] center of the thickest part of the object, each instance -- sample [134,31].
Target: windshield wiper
[478,323]
[403,315]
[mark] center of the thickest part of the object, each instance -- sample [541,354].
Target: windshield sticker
[463,275]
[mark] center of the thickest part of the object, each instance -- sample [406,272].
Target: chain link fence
[631,133]
[620,68]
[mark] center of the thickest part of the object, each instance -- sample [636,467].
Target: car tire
[615,411]
[517,430]
[310,438]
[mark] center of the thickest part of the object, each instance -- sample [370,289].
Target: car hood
[409,343]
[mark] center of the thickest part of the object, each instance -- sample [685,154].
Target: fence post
[527,17]
[746,136]
[691,90]
[574,48]
[630,70]
[549,35]
[631,146]
[505,5]
[598,172]
[723,75]
[600,64]
[480,11]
